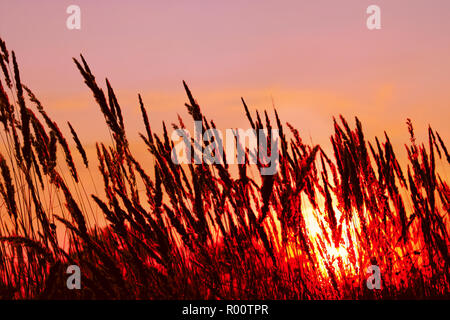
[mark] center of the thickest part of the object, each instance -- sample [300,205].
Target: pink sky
[315,59]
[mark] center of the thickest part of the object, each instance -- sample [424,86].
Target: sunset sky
[313,59]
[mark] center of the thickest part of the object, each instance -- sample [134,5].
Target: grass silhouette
[200,231]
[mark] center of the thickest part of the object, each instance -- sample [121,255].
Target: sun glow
[342,258]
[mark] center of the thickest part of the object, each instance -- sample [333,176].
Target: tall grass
[205,232]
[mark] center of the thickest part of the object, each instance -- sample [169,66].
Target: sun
[326,253]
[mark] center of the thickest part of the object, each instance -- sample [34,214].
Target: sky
[311,59]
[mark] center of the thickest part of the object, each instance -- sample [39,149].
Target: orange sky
[315,59]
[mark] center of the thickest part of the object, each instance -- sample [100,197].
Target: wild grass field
[202,231]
